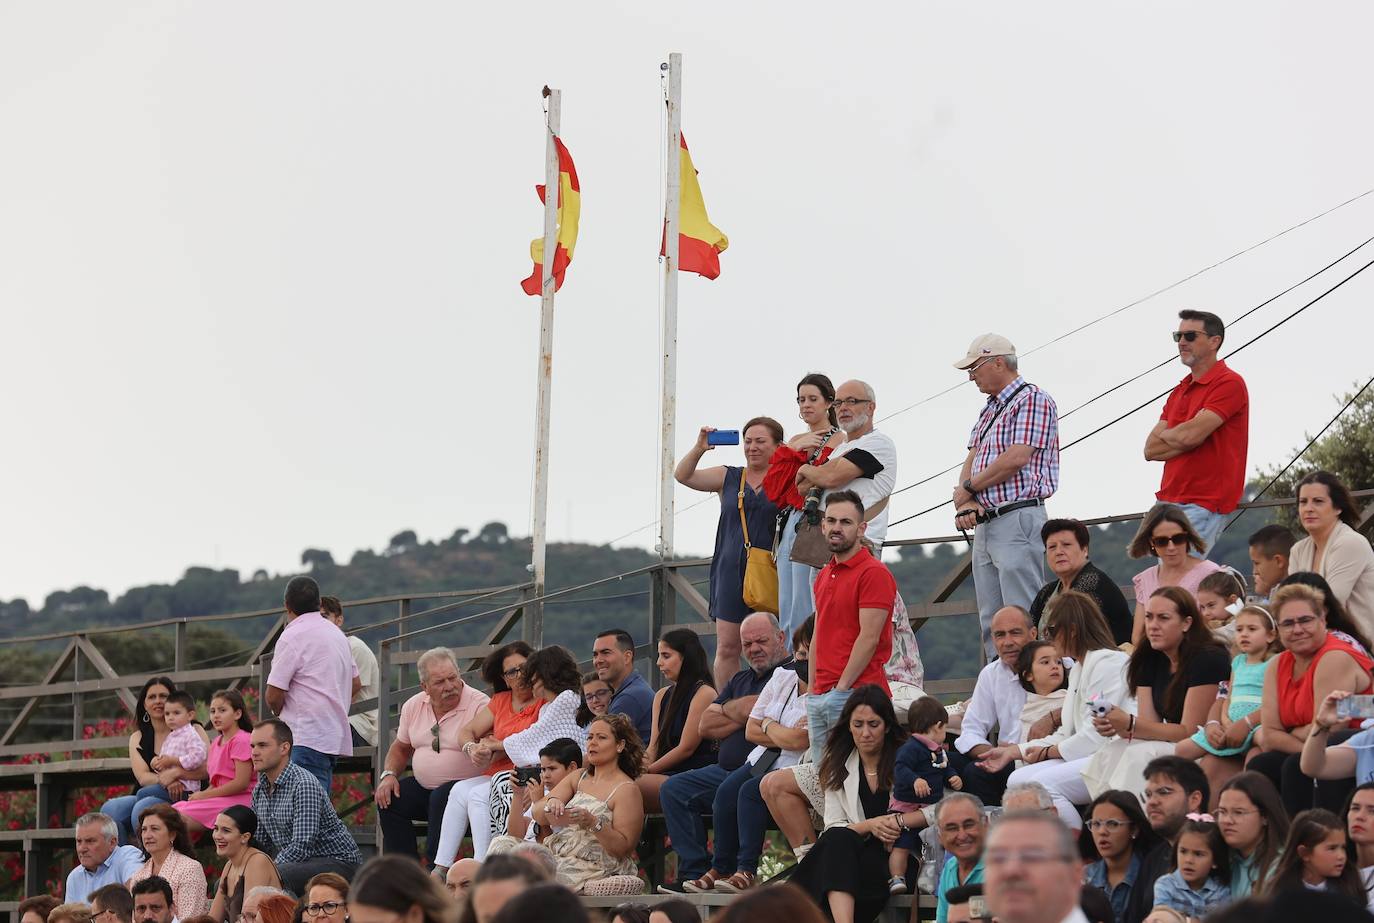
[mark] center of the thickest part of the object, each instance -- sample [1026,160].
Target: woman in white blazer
[1078,630]
[1332,548]
[846,871]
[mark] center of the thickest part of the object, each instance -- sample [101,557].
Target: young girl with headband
[1233,723]
[1219,597]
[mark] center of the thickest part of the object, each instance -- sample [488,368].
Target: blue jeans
[126,810]
[320,765]
[822,714]
[1008,559]
[1207,523]
[796,598]
[739,817]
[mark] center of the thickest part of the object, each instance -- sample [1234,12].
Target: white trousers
[467,806]
[1064,779]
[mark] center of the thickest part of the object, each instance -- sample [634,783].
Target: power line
[1140,407]
[1154,294]
[1311,442]
[1160,365]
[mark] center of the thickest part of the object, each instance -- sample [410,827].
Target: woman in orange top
[513,707]
[1315,661]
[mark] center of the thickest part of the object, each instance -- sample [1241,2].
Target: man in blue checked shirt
[1012,468]
[296,823]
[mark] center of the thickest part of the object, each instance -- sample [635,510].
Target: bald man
[458,881]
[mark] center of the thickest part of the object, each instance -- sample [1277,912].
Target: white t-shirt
[781,702]
[365,723]
[876,456]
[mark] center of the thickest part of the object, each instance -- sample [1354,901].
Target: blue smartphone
[723,437]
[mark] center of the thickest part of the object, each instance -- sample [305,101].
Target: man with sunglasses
[429,741]
[1012,468]
[1204,432]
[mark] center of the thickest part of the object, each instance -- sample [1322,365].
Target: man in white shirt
[364,724]
[866,462]
[998,698]
[1032,871]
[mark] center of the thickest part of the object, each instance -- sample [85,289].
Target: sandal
[740,881]
[703,884]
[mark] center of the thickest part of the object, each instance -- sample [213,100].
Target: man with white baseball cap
[1011,469]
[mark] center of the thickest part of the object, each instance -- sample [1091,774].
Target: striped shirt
[1031,419]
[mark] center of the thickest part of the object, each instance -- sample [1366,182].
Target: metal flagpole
[534,615]
[672,202]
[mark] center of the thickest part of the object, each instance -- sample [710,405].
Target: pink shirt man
[314,666]
[416,729]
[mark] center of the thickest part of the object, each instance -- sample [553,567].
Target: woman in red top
[1314,662]
[816,407]
[513,707]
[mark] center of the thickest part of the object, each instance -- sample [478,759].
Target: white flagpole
[672,201]
[534,616]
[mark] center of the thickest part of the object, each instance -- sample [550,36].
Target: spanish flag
[699,242]
[569,209]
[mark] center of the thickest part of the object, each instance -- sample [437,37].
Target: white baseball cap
[986,346]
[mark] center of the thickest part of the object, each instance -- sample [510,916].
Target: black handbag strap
[1005,404]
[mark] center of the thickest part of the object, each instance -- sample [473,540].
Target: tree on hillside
[494,533]
[402,542]
[316,558]
[1346,450]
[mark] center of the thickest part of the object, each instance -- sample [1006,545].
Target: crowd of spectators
[1196,752]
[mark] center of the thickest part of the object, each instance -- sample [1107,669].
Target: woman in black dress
[846,871]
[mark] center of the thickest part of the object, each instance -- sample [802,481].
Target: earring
[147,719]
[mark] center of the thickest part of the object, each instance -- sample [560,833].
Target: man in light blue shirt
[102,860]
[962,829]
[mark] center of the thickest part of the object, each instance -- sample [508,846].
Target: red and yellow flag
[699,242]
[569,209]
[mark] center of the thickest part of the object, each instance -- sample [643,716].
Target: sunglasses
[1164,541]
[435,742]
[1189,335]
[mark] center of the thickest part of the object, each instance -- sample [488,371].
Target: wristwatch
[968,485]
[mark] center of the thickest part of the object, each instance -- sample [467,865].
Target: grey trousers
[1008,565]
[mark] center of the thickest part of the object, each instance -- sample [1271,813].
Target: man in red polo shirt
[855,594]
[1204,432]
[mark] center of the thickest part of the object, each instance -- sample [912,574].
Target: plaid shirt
[296,822]
[1031,419]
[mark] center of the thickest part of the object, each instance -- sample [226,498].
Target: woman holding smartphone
[742,500]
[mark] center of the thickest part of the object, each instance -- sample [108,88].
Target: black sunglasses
[1189,335]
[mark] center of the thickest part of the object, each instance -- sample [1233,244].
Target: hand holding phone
[1355,706]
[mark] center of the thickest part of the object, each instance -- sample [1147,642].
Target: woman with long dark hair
[1328,514]
[245,865]
[145,743]
[1254,825]
[677,745]
[816,407]
[597,815]
[1114,842]
[1173,675]
[1359,827]
[1079,631]
[846,871]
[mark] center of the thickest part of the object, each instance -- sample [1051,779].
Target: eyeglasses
[980,363]
[1164,541]
[852,401]
[967,826]
[1301,621]
[435,742]
[512,673]
[314,910]
[1189,335]
[597,696]
[1000,857]
[1112,824]
[1236,813]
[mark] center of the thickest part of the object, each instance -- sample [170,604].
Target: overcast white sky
[260,261]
